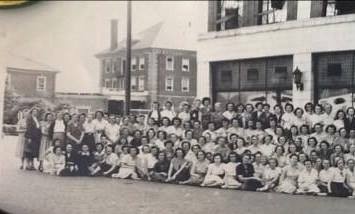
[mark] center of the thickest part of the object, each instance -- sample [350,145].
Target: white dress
[230,175]
[307,181]
[128,168]
[214,173]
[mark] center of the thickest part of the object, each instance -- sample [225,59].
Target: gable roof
[17,63]
[160,35]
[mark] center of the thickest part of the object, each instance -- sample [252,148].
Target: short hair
[216,155]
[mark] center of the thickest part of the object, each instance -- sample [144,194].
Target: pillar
[304,62]
[303,9]
[204,82]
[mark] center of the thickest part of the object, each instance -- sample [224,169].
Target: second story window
[141,81]
[114,83]
[133,64]
[41,83]
[169,63]
[273,11]
[107,66]
[230,14]
[185,65]
[185,84]
[141,63]
[121,83]
[115,66]
[123,67]
[134,83]
[169,84]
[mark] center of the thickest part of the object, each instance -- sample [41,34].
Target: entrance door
[115,107]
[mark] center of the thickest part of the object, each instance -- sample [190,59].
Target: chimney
[114,33]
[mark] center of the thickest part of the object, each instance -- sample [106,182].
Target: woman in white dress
[46,140]
[307,180]
[230,111]
[339,119]
[215,172]
[287,118]
[289,176]
[271,176]
[318,116]
[325,176]
[279,155]
[57,161]
[21,129]
[198,170]
[128,165]
[299,118]
[230,176]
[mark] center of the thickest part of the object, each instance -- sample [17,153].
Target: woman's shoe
[21,167]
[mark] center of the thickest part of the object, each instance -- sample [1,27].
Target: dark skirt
[251,185]
[31,147]
[339,190]
[89,139]
[105,167]
[184,175]
[69,170]
[157,177]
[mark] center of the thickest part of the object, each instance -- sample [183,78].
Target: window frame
[107,82]
[134,85]
[141,62]
[183,63]
[185,80]
[141,83]
[169,68]
[249,79]
[38,83]
[172,83]
[134,64]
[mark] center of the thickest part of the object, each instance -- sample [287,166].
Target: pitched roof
[160,35]
[26,63]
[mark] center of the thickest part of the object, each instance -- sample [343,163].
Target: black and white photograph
[177,107]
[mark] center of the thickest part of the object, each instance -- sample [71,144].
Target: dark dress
[159,167]
[247,171]
[85,160]
[71,162]
[33,136]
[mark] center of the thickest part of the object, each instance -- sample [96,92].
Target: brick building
[31,79]
[160,70]
[252,48]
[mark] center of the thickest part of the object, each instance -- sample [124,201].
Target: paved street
[31,192]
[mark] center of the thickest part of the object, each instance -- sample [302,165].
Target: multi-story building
[277,51]
[158,72]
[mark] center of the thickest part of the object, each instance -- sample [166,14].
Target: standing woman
[89,133]
[99,125]
[33,138]
[75,132]
[21,129]
[59,129]
[46,139]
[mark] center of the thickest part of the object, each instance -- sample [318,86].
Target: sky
[66,35]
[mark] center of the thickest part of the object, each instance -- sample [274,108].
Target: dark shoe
[21,167]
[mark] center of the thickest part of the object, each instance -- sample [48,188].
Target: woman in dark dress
[161,168]
[85,160]
[245,173]
[32,138]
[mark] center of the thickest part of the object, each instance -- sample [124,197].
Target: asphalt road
[26,192]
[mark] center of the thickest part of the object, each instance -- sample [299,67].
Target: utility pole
[128,60]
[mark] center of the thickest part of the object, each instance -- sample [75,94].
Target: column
[203,79]
[303,9]
[304,63]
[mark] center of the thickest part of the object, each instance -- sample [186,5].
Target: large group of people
[303,150]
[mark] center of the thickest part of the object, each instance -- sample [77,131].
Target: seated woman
[109,164]
[129,166]
[288,179]
[179,169]
[307,180]
[198,169]
[47,156]
[71,158]
[230,176]
[246,175]
[85,160]
[271,176]
[215,172]
[338,185]
[57,161]
[160,169]
[325,176]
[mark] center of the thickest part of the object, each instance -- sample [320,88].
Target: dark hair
[279,146]
[55,148]
[99,112]
[315,140]
[230,103]
[230,154]
[176,119]
[274,159]
[206,99]
[164,133]
[298,108]
[217,154]
[133,147]
[289,104]
[168,141]
[179,149]
[330,126]
[166,118]
[337,114]
[258,104]
[186,142]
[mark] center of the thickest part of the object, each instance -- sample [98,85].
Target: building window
[107,66]
[337,7]
[334,70]
[185,84]
[41,83]
[230,14]
[121,84]
[123,67]
[134,83]
[169,63]
[108,83]
[226,77]
[141,81]
[252,74]
[115,66]
[281,72]
[114,83]
[273,11]
[185,65]
[169,84]
[133,64]
[141,63]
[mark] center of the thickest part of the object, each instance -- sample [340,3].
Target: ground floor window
[334,80]
[267,80]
